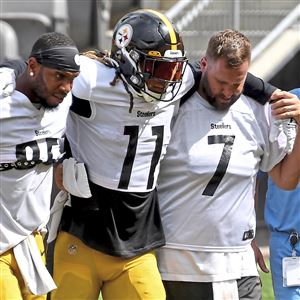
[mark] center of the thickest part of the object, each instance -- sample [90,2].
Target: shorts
[249,288]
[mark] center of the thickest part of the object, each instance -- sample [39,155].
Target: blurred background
[272,26]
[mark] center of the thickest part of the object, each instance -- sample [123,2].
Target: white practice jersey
[121,149]
[30,134]
[207,180]
[29,137]
[206,189]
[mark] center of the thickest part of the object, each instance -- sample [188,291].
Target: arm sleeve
[258,89]
[254,87]
[18,65]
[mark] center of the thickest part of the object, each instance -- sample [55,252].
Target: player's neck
[23,85]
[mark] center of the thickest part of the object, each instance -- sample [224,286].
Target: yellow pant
[81,272]
[12,286]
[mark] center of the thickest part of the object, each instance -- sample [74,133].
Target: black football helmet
[150,54]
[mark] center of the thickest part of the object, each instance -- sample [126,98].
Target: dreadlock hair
[49,40]
[97,54]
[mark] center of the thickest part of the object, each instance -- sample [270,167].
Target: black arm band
[258,89]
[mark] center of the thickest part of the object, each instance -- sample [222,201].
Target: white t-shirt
[206,187]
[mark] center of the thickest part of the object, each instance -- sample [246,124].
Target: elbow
[288,185]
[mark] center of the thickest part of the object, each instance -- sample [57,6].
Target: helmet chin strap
[150,96]
[147,95]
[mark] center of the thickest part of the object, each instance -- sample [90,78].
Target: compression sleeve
[18,65]
[254,87]
[258,89]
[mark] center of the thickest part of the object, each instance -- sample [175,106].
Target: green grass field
[267,289]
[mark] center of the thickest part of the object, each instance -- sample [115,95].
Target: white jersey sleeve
[7,82]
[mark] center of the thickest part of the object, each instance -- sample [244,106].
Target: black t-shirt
[116,223]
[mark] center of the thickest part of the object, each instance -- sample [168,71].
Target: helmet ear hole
[129,68]
[137,81]
[134,55]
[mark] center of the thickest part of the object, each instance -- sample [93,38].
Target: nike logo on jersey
[41,132]
[145,113]
[220,126]
[248,235]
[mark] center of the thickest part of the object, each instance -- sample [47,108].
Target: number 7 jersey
[121,149]
[207,179]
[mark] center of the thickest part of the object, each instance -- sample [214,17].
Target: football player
[119,126]
[33,119]
[220,139]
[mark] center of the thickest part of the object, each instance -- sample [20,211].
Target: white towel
[75,178]
[35,274]
[225,290]
[75,181]
[55,215]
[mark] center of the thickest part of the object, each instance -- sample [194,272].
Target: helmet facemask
[153,76]
[162,74]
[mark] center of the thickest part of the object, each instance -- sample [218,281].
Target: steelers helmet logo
[77,59]
[123,36]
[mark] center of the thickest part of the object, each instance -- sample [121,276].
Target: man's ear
[203,63]
[33,66]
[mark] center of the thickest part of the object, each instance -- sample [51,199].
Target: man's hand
[286,111]
[58,176]
[285,105]
[259,258]
[71,176]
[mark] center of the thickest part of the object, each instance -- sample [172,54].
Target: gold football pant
[81,272]
[12,285]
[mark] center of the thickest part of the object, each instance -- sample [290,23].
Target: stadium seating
[32,18]
[9,48]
